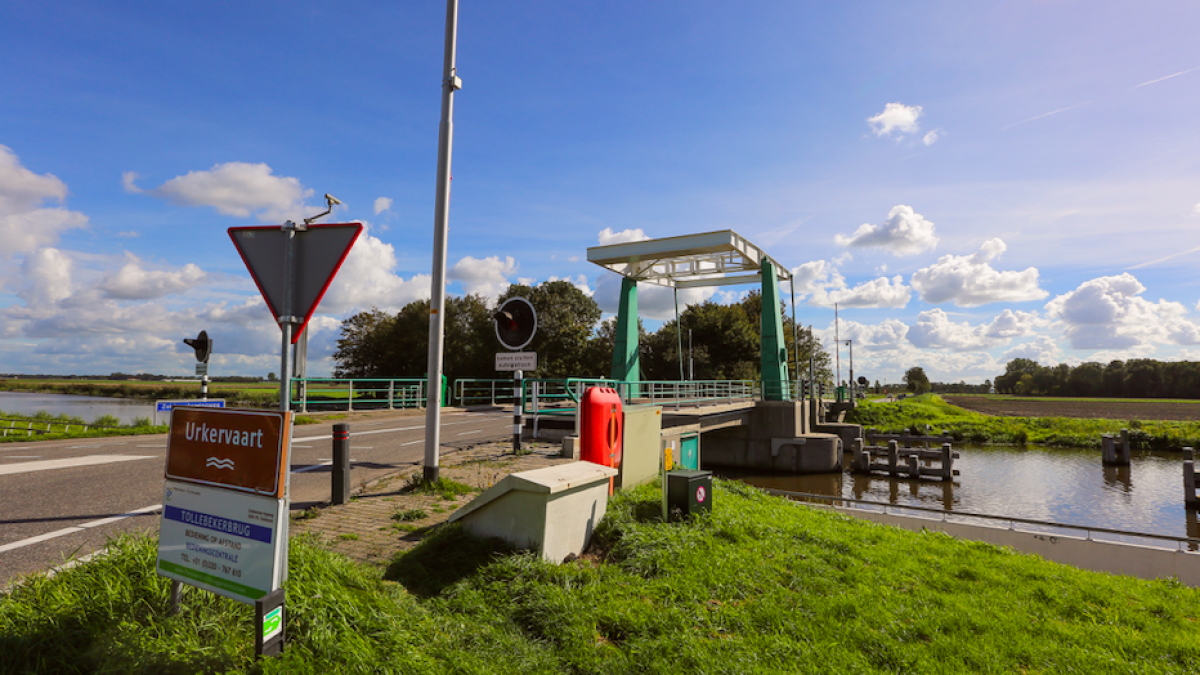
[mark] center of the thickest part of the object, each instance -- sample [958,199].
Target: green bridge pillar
[774,351]
[625,366]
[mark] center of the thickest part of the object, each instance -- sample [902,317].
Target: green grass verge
[964,425]
[235,394]
[760,586]
[55,429]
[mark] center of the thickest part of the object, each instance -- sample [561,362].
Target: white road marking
[78,528]
[419,440]
[89,460]
[388,431]
[95,445]
[468,433]
[312,466]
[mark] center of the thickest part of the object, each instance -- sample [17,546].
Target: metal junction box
[688,492]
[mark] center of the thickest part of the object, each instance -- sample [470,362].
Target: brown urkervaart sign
[237,449]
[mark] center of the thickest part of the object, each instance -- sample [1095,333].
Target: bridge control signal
[516,322]
[203,346]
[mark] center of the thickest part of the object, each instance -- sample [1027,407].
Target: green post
[774,353]
[625,367]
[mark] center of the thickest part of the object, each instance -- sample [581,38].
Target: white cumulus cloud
[880,292]
[239,189]
[970,280]
[932,137]
[607,236]
[134,282]
[934,330]
[1042,349]
[26,224]
[487,277]
[368,279]
[1108,313]
[382,204]
[896,117]
[905,232]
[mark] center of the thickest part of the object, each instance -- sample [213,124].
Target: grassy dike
[972,427]
[760,586]
[235,394]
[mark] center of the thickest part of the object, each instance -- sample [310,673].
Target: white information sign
[227,542]
[516,361]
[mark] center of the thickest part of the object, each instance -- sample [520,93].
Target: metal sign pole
[441,216]
[517,421]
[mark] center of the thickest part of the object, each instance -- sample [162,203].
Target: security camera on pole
[516,322]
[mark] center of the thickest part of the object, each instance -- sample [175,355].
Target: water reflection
[1193,527]
[1068,486]
[1119,478]
[87,408]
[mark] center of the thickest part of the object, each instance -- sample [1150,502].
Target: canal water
[1065,486]
[87,408]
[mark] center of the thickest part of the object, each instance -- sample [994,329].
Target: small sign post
[225,510]
[167,406]
[516,324]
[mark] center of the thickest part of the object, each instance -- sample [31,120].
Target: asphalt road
[64,499]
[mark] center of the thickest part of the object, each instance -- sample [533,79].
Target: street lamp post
[441,218]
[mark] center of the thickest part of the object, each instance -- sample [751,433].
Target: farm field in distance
[1086,408]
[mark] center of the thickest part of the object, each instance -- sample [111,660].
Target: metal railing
[470,391]
[560,397]
[1177,543]
[34,426]
[329,393]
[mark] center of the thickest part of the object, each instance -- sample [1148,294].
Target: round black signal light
[516,322]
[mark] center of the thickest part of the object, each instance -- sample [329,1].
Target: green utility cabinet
[689,452]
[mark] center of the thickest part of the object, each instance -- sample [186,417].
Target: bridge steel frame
[718,258]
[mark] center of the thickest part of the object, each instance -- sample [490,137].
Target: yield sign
[319,252]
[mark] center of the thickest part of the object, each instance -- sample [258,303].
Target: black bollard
[341,463]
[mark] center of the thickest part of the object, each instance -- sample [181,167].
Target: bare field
[1012,406]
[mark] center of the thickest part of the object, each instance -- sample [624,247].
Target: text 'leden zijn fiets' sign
[224,524]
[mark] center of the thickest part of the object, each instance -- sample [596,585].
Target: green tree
[362,348]
[1007,383]
[1086,379]
[916,380]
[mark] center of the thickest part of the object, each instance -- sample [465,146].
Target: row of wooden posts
[907,461]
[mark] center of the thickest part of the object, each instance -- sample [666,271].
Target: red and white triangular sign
[320,251]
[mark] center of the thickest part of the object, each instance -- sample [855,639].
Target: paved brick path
[365,529]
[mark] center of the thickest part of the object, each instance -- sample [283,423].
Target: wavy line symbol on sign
[220,463]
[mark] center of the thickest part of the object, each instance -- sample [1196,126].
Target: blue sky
[970,182]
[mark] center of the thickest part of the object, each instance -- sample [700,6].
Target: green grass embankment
[17,427]
[914,414]
[245,395]
[760,586]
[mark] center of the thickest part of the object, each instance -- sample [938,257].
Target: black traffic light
[863,381]
[203,346]
[516,322]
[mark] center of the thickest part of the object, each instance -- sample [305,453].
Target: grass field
[1092,408]
[931,410]
[261,394]
[760,586]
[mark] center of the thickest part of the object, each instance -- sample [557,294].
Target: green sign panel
[272,624]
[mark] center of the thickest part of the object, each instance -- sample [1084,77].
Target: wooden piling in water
[1189,479]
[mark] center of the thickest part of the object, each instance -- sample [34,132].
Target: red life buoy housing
[601,427]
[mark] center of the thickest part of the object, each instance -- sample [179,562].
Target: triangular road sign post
[318,252]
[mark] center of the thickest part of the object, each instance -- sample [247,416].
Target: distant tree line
[571,340]
[1136,378]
